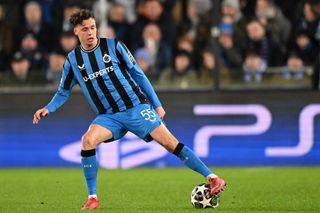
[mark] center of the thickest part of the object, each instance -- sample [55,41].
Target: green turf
[265,189]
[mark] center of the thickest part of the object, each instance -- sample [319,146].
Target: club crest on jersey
[106,58]
[81,67]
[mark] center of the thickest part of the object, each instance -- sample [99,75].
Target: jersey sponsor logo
[81,67]
[98,73]
[106,58]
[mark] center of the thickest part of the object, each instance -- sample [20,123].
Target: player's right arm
[40,113]
[68,80]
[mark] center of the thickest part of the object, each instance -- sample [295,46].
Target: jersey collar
[93,49]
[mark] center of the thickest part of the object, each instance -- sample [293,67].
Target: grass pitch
[264,189]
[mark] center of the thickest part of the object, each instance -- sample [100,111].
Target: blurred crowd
[172,40]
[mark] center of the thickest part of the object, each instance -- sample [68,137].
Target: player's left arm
[139,76]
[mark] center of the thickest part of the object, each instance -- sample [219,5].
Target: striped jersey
[108,76]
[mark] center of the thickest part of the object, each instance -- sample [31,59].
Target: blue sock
[191,160]
[90,170]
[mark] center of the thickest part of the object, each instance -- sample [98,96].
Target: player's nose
[89,32]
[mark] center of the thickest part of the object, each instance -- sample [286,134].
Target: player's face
[87,33]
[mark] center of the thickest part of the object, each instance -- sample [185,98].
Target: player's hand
[39,114]
[160,112]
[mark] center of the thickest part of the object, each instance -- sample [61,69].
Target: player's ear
[75,31]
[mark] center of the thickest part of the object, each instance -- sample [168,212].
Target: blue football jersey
[108,76]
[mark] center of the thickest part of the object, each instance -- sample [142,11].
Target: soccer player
[121,95]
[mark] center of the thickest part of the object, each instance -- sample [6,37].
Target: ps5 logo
[131,152]
[106,58]
[263,122]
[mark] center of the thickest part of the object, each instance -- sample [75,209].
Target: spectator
[117,20]
[260,42]
[294,68]
[32,50]
[202,41]
[303,41]
[152,11]
[231,15]
[130,9]
[182,75]
[33,24]
[158,49]
[203,6]
[128,5]
[188,25]
[20,66]
[231,58]
[207,65]
[254,66]
[110,33]
[185,43]
[276,24]
[144,59]
[260,52]
[308,22]
[68,41]
[64,25]
[196,27]
[305,48]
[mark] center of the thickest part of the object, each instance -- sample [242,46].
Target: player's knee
[88,142]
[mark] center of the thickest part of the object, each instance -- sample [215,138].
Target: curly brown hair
[80,16]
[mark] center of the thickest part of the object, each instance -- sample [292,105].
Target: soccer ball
[201,198]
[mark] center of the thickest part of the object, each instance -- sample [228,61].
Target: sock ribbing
[178,149]
[88,153]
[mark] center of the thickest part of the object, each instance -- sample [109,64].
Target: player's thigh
[164,137]
[96,134]
[141,120]
[113,124]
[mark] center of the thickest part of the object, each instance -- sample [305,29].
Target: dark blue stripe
[117,84]
[69,78]
[101,83]
[124,72]
[88,83]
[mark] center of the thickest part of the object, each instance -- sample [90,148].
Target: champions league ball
[201,198]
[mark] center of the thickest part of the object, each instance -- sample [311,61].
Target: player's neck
[89,47]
